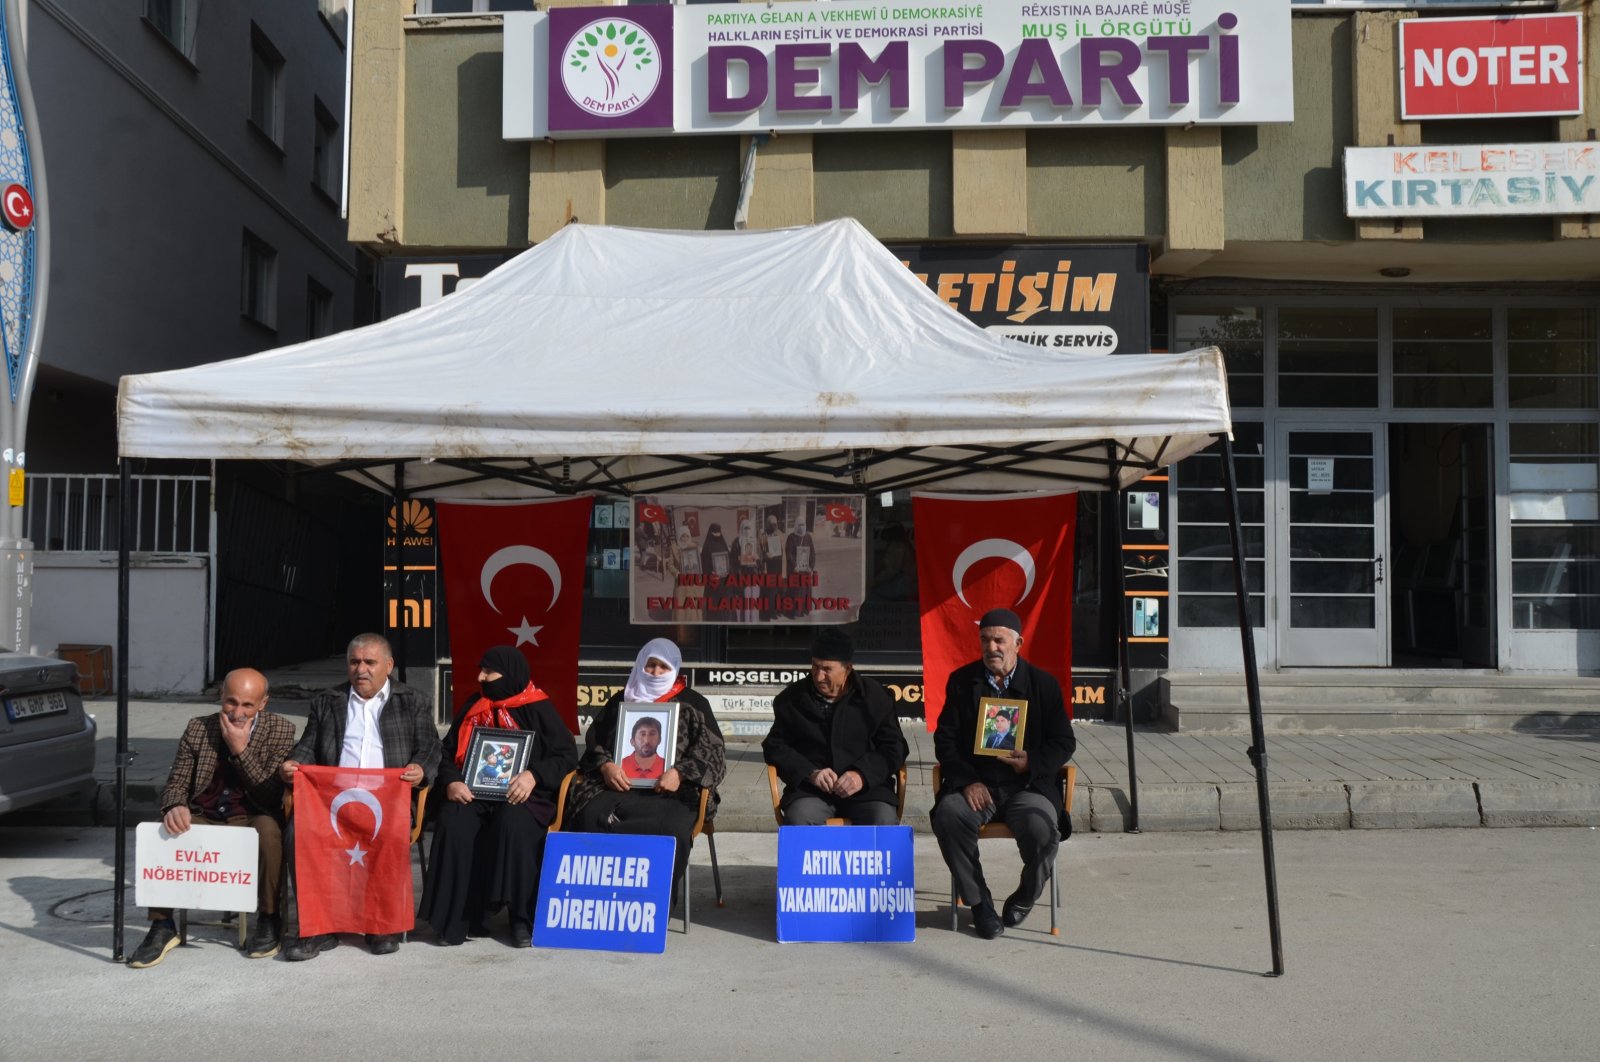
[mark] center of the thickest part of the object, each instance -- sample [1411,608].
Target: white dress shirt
[363,741]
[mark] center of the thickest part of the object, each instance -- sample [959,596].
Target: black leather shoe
[265,938]
[310,947]
[162,938]
[985,922]
[521,933]
[387,944]
[1015,911]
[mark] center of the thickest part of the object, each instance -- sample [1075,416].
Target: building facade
[1406,290]
[193,153]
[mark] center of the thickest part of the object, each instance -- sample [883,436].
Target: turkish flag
[513,575]
[974,554]
[651,513]
[352,850]
[840,514]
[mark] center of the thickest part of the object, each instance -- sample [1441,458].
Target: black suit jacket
[863,735]
[1047,735]
[406,723]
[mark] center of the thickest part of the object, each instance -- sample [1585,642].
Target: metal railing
[79,513]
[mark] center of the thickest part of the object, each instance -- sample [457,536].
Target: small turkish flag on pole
[651,513]
[513,575]
[352,850]
[974,554]
[840,514]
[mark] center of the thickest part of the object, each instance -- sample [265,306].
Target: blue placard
[604,892]
[846,884]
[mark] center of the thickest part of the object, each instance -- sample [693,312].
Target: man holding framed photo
[983,782]
[836,742]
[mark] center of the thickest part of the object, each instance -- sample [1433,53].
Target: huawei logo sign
[418,518]
[416,524]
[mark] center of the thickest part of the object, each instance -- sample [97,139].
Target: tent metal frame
[845,470]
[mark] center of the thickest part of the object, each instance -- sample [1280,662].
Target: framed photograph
[494,757]
[646,742]
[602,514]
[622,514]
[1000,726]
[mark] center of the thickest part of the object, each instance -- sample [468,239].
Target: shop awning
[626,360]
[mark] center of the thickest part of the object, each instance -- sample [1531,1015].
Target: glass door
[1330,544]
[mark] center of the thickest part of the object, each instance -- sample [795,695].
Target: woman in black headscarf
[487,853]
[716,563]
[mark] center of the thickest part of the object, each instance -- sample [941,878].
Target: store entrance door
[1331,538]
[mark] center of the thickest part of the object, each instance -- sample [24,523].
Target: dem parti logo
[611,67]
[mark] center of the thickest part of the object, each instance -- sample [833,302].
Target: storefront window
[1552,354]
[1443,357]
[1328,357]
[1206,596]
[1237,331]
[1555,526]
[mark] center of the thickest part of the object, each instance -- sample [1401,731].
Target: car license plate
[35,704]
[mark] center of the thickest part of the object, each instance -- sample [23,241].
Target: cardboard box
[94,667]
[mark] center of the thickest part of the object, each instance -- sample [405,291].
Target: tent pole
[124,536]
[1119,587]
[1252,680]
[397,605]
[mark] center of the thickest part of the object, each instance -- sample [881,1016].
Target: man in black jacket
[1021,788]
[367,722]
[836,742]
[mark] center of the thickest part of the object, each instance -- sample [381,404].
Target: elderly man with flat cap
[836,742]
[1021,788]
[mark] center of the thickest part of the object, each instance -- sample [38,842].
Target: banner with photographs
[747,558]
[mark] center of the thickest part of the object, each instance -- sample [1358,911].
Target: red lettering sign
[1478,67]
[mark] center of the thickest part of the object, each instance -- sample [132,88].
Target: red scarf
[677,688]
[485,712]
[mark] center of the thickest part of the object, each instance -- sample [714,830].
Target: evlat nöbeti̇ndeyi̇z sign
[607,71]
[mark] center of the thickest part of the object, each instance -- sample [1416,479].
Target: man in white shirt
[368,722]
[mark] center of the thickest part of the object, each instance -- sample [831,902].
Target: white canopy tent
[625,359]
[629,361]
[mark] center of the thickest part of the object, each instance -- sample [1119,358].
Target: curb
[1387,805]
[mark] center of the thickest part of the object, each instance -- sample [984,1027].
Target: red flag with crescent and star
[352,850]
[1002,551]
[513,575]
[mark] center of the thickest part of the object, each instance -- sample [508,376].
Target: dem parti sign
[847,65]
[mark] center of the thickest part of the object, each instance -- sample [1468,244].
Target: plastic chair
[776,787]
[239,917]
[701,826]
[1069,777]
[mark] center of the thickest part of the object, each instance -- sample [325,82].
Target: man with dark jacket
[367,722]
[836,742]
[1021,788]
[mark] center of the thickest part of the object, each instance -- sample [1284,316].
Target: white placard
[206,868]
[1319,475]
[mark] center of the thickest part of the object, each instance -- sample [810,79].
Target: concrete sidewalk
[1361,780]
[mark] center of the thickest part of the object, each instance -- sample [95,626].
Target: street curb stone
[1410,805]
[1540,803]
[1295,806]
[1162,808]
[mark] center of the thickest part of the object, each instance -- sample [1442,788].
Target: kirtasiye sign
[1472,179]
[846,65]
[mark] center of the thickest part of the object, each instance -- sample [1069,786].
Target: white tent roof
[609,358]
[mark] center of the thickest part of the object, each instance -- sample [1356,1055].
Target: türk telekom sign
[847,65]
[1478,67]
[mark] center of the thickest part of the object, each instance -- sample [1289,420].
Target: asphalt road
[1399,944]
